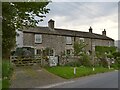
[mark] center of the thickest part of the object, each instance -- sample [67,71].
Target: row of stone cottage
[60,40]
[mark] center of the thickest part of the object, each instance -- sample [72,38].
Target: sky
[81,15]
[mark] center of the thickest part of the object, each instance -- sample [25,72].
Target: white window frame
[82,39]
[37,52]
[70,51]
[109,43]
[68,40]
[38,38]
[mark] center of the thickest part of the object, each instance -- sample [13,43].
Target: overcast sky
[81,15]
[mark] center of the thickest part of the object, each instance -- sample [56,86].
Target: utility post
[93,53]
[41,56]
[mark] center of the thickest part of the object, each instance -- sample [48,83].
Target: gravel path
[31,77]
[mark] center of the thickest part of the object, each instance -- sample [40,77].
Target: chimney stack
[51,24]
[104,32]
[90,29]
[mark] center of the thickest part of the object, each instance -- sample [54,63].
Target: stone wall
[64,60]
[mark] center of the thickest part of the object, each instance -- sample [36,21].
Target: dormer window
[68,40]
[38,38]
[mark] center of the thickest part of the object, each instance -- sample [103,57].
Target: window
[109,43]
[51,53]
[93,45]
[68,51]
[38,38]
[38,52]
[68,40]
[81,40]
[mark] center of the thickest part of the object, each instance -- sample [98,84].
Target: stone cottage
[60,40]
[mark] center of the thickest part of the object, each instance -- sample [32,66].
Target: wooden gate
[24,61]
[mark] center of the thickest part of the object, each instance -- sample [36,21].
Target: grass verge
[0,73]
[68,72]
[6,74]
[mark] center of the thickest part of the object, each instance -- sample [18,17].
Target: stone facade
[56,39]
[58,43]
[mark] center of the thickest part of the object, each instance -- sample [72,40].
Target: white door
[53,61]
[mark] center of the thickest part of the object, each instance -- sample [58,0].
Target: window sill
[68,44]
[38,43]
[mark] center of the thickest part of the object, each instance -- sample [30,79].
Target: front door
[53,60]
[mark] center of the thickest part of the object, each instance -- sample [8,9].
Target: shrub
[116,54]
[73,64]
[103,62]
[115,66]
[103,49]
[85,60]
[7,70]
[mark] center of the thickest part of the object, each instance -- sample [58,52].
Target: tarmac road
[103,80]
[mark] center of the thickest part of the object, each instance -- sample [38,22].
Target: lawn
[68,72]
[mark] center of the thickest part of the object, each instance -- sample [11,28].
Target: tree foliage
[85,60]
[78,47]
[16,15]
[103,49]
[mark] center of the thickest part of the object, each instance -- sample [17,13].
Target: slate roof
[66,32]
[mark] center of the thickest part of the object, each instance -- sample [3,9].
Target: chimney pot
[90,29]
[104,32]
[51,24]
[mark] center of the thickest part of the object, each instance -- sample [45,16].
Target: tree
[79,51]
[16,15]
[78,47]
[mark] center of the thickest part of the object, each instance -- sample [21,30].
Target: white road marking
[39,70]
[57,84]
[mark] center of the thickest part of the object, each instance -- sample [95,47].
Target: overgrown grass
[68,72]
[6,74]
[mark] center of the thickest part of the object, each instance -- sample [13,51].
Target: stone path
[32,77]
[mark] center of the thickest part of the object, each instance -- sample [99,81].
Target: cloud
[79,16]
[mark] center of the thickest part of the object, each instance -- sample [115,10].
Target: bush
[118,60]
[73,64]
[6,73]
[103,49]
[6,68]
[85,60]
[103,62]
[115,66]
[116,54]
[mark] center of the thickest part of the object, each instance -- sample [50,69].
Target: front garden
[82,63]
[67,72]
[101,59]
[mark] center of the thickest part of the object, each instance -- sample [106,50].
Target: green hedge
[103,49]
[85,60]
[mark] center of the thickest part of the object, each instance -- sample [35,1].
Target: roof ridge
[70,32]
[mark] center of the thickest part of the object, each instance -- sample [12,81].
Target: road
[103,80]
